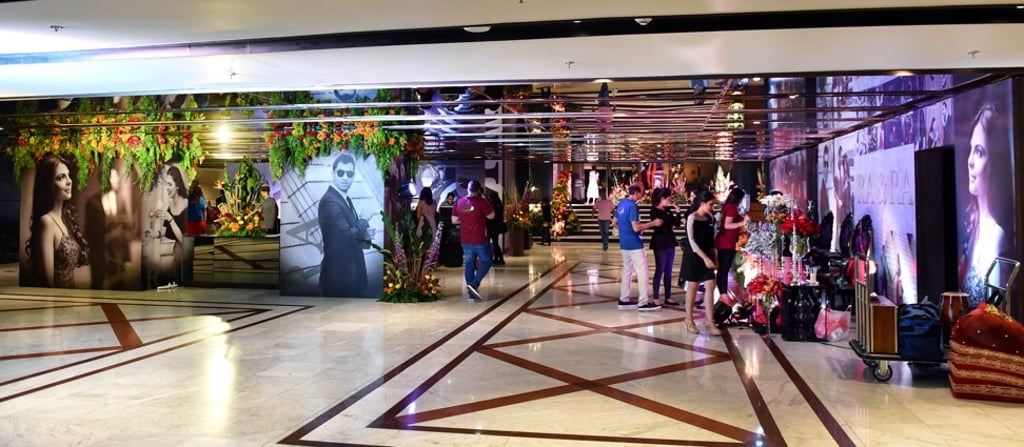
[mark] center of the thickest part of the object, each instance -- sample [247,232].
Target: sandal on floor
[691,327]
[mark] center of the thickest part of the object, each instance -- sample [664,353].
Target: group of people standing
[707,256]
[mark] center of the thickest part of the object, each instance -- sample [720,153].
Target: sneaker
[648,306]
[671,302]
[474,295]
[626,305]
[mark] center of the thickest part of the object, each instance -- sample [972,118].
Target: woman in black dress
[699,262]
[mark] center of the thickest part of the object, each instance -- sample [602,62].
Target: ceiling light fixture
[477,29]
[601,81]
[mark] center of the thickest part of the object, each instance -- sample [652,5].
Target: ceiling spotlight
[643,21]
[477,29]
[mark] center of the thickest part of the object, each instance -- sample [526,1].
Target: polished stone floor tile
[546,360]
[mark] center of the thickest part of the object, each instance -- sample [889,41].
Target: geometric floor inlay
[85,336]
[557,349]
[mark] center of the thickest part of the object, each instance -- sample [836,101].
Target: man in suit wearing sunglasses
[345,235]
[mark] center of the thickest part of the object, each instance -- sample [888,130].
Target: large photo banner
[79,238]
[984,183]
[884,189]
[329,217]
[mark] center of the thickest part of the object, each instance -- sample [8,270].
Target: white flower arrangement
[778,203]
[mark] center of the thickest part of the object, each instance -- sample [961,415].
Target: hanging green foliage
[98,133]
[294,144]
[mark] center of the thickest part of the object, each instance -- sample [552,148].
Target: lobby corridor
[546,360]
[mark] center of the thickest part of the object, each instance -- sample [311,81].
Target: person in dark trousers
[545,213]
[497,226]
[345,235]
[663,242]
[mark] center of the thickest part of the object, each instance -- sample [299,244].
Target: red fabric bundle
[987,358]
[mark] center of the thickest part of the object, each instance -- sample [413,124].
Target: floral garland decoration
[560,204]
[294,144]
[98,133]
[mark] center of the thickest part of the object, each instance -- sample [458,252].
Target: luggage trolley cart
[876,343]
[1000,295]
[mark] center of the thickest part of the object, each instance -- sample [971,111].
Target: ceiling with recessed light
[684,79]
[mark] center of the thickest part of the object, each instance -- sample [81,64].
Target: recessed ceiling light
[903,73]
[577,21]
[602,80]
[477,29]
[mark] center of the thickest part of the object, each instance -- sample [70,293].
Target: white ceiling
[104,24]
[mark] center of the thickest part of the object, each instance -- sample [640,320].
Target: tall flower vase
[799,250]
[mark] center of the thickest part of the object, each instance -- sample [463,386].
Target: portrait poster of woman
[984,177]
[54,251]
[163,226]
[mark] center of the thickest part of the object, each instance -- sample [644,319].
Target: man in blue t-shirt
[634,258]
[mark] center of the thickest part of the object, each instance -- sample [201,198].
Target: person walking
[603,208]
[699,262]
[471,213]
[634,258]
[663,242]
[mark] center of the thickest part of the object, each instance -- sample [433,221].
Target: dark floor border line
[251,313]
[29,309]
[36,355]
[385,419]
[295,438]
[772,434]
[126,335]
[145,301]
[826,418]
[577,438]
[95,323]
[136,359]
[624,330]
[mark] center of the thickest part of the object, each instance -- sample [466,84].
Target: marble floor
[546,360]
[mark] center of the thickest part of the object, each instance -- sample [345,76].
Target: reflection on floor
[547,359]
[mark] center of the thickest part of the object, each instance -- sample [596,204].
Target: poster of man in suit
[329,217]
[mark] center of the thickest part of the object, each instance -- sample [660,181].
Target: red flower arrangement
[764,285]
[804,225]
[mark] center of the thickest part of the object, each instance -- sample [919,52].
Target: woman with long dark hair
[496,226]
[699,262]
[988,154]
[426,212]
[196,225]
[728,235]
[663,242]
[55,247]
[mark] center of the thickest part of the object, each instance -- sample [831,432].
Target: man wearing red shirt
[472,213]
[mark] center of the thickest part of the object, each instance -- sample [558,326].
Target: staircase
[591,232]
